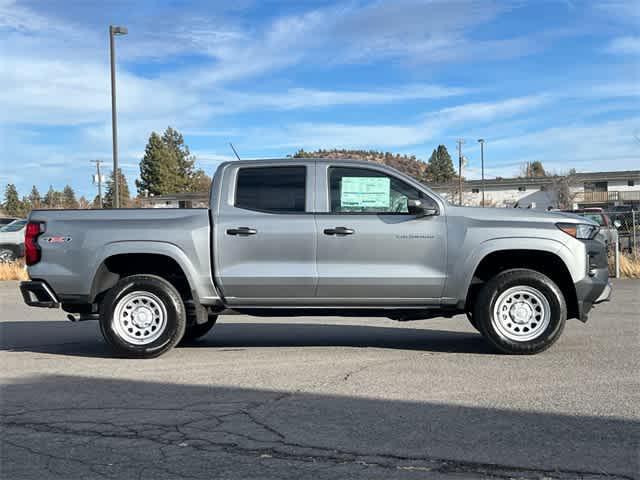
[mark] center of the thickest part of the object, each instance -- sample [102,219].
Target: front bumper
[37,293]
[595,287]
[592,290]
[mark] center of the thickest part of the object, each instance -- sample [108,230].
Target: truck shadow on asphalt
[85,339]
[72,427]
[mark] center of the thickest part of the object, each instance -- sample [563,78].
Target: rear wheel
[142,316]
[520,311]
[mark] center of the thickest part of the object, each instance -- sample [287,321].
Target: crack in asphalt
[236,432]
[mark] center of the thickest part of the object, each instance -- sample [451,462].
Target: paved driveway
[320,398]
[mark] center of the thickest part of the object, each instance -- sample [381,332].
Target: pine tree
[26,206]
[69,197]
[168,166]
[156,169]
[12,204]
[536,169]
[441,169]
[49,198]
[200,182]
[53,198]
[34,198]
[184,161]
[123,190]
[83,203]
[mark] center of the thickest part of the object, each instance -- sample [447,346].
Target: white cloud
[302,98]
[625,11]
[606,145]
[628,45]
[335,135]
[490,110]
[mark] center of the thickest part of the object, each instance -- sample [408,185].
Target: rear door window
[272,189]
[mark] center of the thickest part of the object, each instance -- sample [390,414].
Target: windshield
[596,217]
[14,226]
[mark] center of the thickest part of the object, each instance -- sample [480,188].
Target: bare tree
[561,186]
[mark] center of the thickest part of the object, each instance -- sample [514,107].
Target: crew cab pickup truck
[315,237]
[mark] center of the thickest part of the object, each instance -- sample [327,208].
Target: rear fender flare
[201,285]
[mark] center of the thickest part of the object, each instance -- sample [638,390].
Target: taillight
[31,248]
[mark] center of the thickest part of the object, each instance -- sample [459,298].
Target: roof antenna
[234,150]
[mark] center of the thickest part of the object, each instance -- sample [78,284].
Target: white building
[177,200]
[598,189]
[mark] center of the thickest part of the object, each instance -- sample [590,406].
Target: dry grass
[13,271]
[629,266]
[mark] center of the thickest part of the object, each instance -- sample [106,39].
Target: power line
[460,141]
[99,176]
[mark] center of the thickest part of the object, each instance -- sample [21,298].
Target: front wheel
[472,321]
[520,311]
[142,316]
[197,330]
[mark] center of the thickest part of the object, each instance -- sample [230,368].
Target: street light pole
[113,31]
[460,141]
[481,140]
[99,176]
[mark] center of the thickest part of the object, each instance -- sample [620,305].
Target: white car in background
[12,241]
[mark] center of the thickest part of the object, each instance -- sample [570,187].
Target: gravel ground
[320,398]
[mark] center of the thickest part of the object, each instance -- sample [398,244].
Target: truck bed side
[76,244]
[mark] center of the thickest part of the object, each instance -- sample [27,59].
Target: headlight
[581,231]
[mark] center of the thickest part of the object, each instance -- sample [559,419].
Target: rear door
[265,234]
[371,251]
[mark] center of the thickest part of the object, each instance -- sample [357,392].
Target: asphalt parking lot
[320,398]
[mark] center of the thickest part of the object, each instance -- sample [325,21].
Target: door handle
[339,231]
[242,231]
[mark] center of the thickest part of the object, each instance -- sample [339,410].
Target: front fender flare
[463,270]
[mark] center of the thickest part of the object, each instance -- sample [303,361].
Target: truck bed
[76,242]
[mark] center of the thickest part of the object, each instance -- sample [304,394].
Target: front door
[265,235]
[371,250]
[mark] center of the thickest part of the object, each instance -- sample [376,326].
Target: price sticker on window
[365,192]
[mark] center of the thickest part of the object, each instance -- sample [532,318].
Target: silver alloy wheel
[139,318]
[521,313]
[7,256]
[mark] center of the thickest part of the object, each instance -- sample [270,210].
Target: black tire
[169,306]
[530,281]
[197,330]
[472,321]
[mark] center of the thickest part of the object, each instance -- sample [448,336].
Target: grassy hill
[409,165]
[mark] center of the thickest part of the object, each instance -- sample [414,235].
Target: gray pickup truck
[315,237]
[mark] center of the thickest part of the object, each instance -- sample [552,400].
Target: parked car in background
[6,221]
[12,241]
[608,229]
[623,214]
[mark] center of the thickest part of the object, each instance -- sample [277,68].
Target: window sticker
[365,192]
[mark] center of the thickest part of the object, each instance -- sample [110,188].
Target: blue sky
[556,81]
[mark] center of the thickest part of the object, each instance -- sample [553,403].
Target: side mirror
[417,208]
[617,223]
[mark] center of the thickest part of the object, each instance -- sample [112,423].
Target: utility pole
[98,162]
[113,31]
[460,141]
[481,141]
